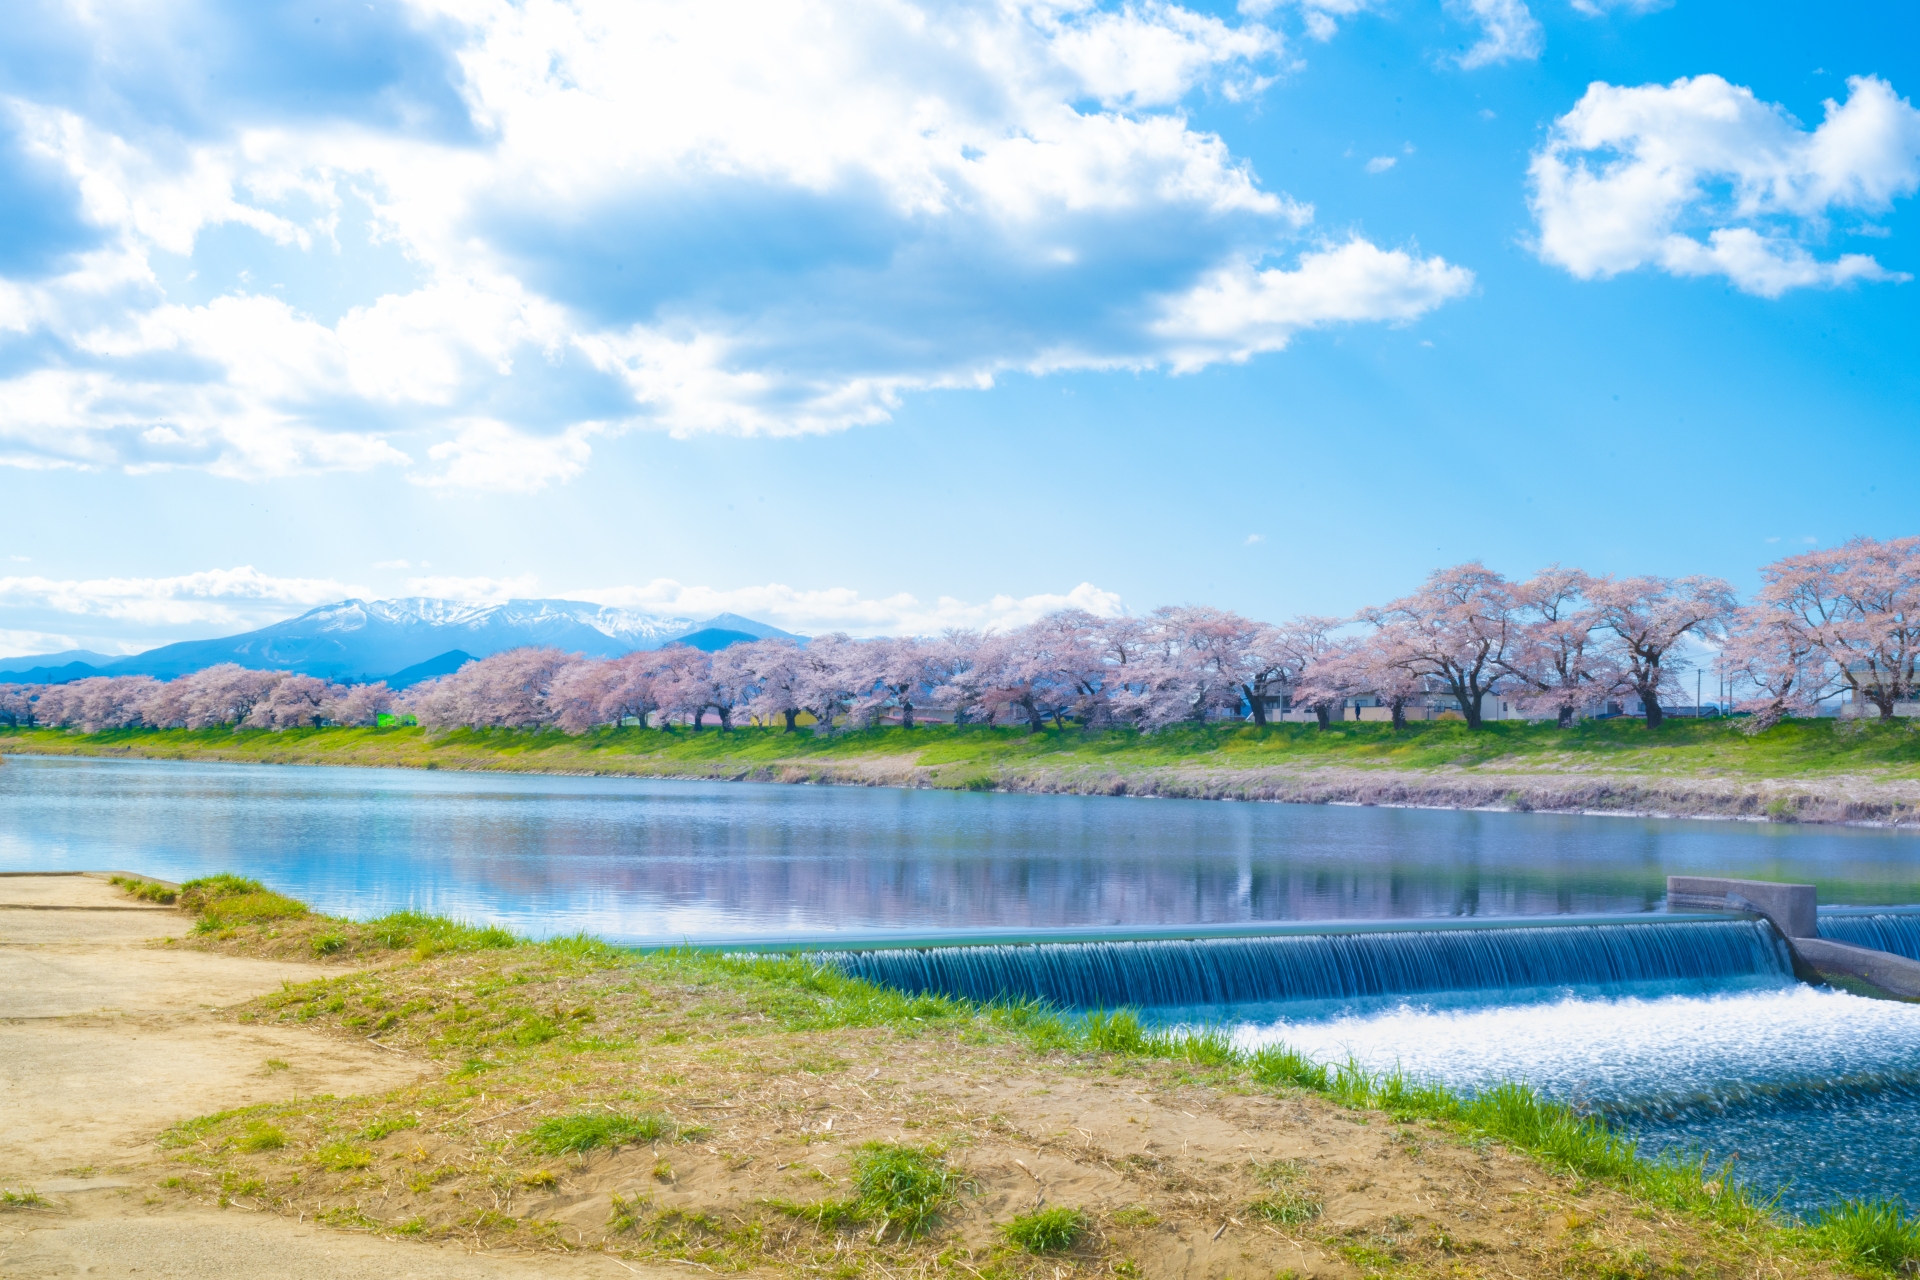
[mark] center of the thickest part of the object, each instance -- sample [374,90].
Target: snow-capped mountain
[356,639]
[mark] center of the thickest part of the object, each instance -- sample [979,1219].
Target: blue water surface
[641,860]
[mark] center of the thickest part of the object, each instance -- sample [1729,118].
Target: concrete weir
[1790,908]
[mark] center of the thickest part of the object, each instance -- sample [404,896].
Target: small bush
[1047,1230]
[561,1135]
[1874,1235]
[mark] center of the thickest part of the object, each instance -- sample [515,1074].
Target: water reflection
[640,860]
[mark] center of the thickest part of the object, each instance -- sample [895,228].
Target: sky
[884,316]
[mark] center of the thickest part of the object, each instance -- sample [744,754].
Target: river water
[1815,1093]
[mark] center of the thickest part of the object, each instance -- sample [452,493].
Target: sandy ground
[107,1039]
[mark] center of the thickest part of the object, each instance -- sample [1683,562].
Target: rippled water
[637,860]
[1812,1092]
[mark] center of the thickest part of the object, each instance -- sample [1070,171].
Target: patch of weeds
[662,1170]
[540,1179]
[327,944]
[274,1064]
[25,1198]
[583,1131]
[1369,1260]
[472,1067]
[1136,1216]
[490,1220]
[625,1211]
[380,1128]
[1052,1230]
[347,1217]
[236,1184]
[411,1227]
[1286,1206]
[904,1186]
[343,1156]
[1875,1235]
[262,1136]
[145,890]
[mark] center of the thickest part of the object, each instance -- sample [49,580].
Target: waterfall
[1229,971]
[1897,932]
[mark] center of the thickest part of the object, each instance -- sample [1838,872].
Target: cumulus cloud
[1241,310]
[1600,8]
[1508,32]
[522,587]
[1701,178]
[26,644]
[844,609]
[240,597]
[618,217]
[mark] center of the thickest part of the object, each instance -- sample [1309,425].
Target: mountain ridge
[368,640]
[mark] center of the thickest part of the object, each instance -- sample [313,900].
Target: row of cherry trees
[1845,620]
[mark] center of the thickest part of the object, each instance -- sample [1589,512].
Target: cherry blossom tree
[1785,666]
[827,681]
[1558,660]
[1458,628]
[776,668]
[1387,667]
[17,705]
[1325,671]
[1859,604]
[512,689]
[1649,617]
[683,684]
[360,704]
[294,702]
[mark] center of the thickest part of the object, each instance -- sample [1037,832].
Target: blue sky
[892,316]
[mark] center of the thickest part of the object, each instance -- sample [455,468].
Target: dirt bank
[110,1031]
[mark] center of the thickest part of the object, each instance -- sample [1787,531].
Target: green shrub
[583,1131]
[1047,1230]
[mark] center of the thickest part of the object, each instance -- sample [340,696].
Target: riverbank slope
[1800,771]
[566,1108]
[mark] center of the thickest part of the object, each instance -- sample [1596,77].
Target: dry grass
[685,1109]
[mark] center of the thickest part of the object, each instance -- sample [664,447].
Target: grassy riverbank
[767,1115]
[1800,770]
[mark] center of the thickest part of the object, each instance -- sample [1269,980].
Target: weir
[1832,950]
[1230,971]
[1758,929]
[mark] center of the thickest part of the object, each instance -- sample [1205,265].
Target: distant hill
[714,639]
[433,668]
[371,640]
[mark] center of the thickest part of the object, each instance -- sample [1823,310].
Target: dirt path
[106,1039]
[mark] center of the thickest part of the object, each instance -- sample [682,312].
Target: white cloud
[1380,164]
[774,218]
[1508,32]
[493,456]
[490,589]
[1320,18]
[1600,8]
[1253,539]
[844,609]
[27,644]
[1241,310]
[239,597]
[1700,177]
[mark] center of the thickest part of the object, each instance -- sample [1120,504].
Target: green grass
[22,1199]
[976,756]
[906,1187]
[583,1131]
[145,890]
[1047,1230]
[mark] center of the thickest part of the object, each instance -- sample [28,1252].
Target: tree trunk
[1324,714]
[1566,715]
[1650,700]
[1399,709]
[726,718]
[906,714]
[699,714]
[792,714]
[1469,700]
[1259,705]
[1034,723]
